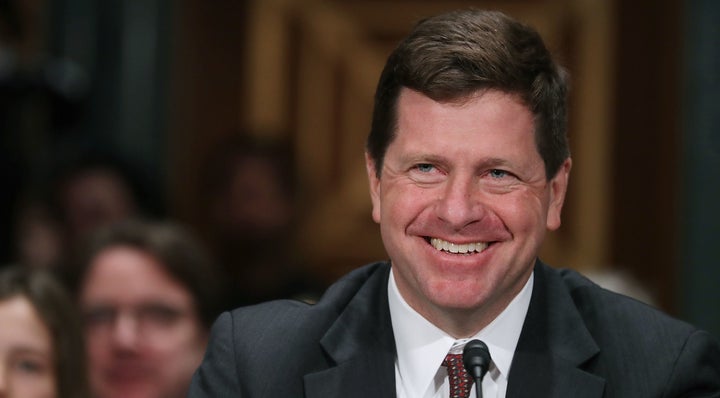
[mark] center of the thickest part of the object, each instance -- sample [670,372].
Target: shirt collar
[422,346]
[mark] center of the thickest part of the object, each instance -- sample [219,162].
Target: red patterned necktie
[460,380]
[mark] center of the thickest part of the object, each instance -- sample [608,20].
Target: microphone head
[476,358]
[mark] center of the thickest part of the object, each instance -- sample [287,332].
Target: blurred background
[246,121]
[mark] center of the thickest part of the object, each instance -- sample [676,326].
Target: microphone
[476,358]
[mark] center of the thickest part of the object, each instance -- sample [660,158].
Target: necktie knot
[460,380]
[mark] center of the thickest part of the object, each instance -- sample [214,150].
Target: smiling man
[463,205]
[468,163]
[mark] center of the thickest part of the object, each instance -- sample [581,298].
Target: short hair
[452,56]
[58,312]
[177,251]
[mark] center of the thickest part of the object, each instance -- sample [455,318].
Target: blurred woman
[41,348]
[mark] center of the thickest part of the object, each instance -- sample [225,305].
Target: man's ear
[374,186]
[558,189]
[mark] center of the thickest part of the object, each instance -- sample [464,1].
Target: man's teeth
[458,248]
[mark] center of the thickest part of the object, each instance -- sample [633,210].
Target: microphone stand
[476,359]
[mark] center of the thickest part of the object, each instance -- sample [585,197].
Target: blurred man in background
[148,293]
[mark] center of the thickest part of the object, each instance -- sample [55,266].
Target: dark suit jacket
[578,340]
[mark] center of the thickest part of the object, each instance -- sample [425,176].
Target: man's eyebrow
[28,349]
[492,162]
[421,157]
[484,163]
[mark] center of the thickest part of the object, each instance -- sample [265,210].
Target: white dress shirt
[422,346]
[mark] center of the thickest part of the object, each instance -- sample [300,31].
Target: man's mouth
[458,248]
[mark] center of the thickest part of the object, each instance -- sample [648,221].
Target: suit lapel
[553,346]
[552,349]
[361,346]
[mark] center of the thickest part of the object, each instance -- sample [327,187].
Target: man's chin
[128,389]
[459,302]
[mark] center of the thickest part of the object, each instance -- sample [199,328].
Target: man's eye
[496,173]
[425,167]
[29,366]
[99,316]
[159,315]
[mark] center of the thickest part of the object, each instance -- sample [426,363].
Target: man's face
[463,205]
[144,337]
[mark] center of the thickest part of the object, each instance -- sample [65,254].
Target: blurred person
[148,294]
[41,347]
[93,189]
[86,190]
[468,164]
[38,236]
[249,188]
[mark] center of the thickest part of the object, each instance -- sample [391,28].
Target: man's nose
[460,204]
[126,333]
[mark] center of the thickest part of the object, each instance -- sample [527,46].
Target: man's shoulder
[268,349]
[607,312]
[308,318]
[635,344]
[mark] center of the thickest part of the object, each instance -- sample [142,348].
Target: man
[148,296]
[468,164]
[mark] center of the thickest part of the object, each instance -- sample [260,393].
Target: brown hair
[57,311]
[178,251]
[454,55]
